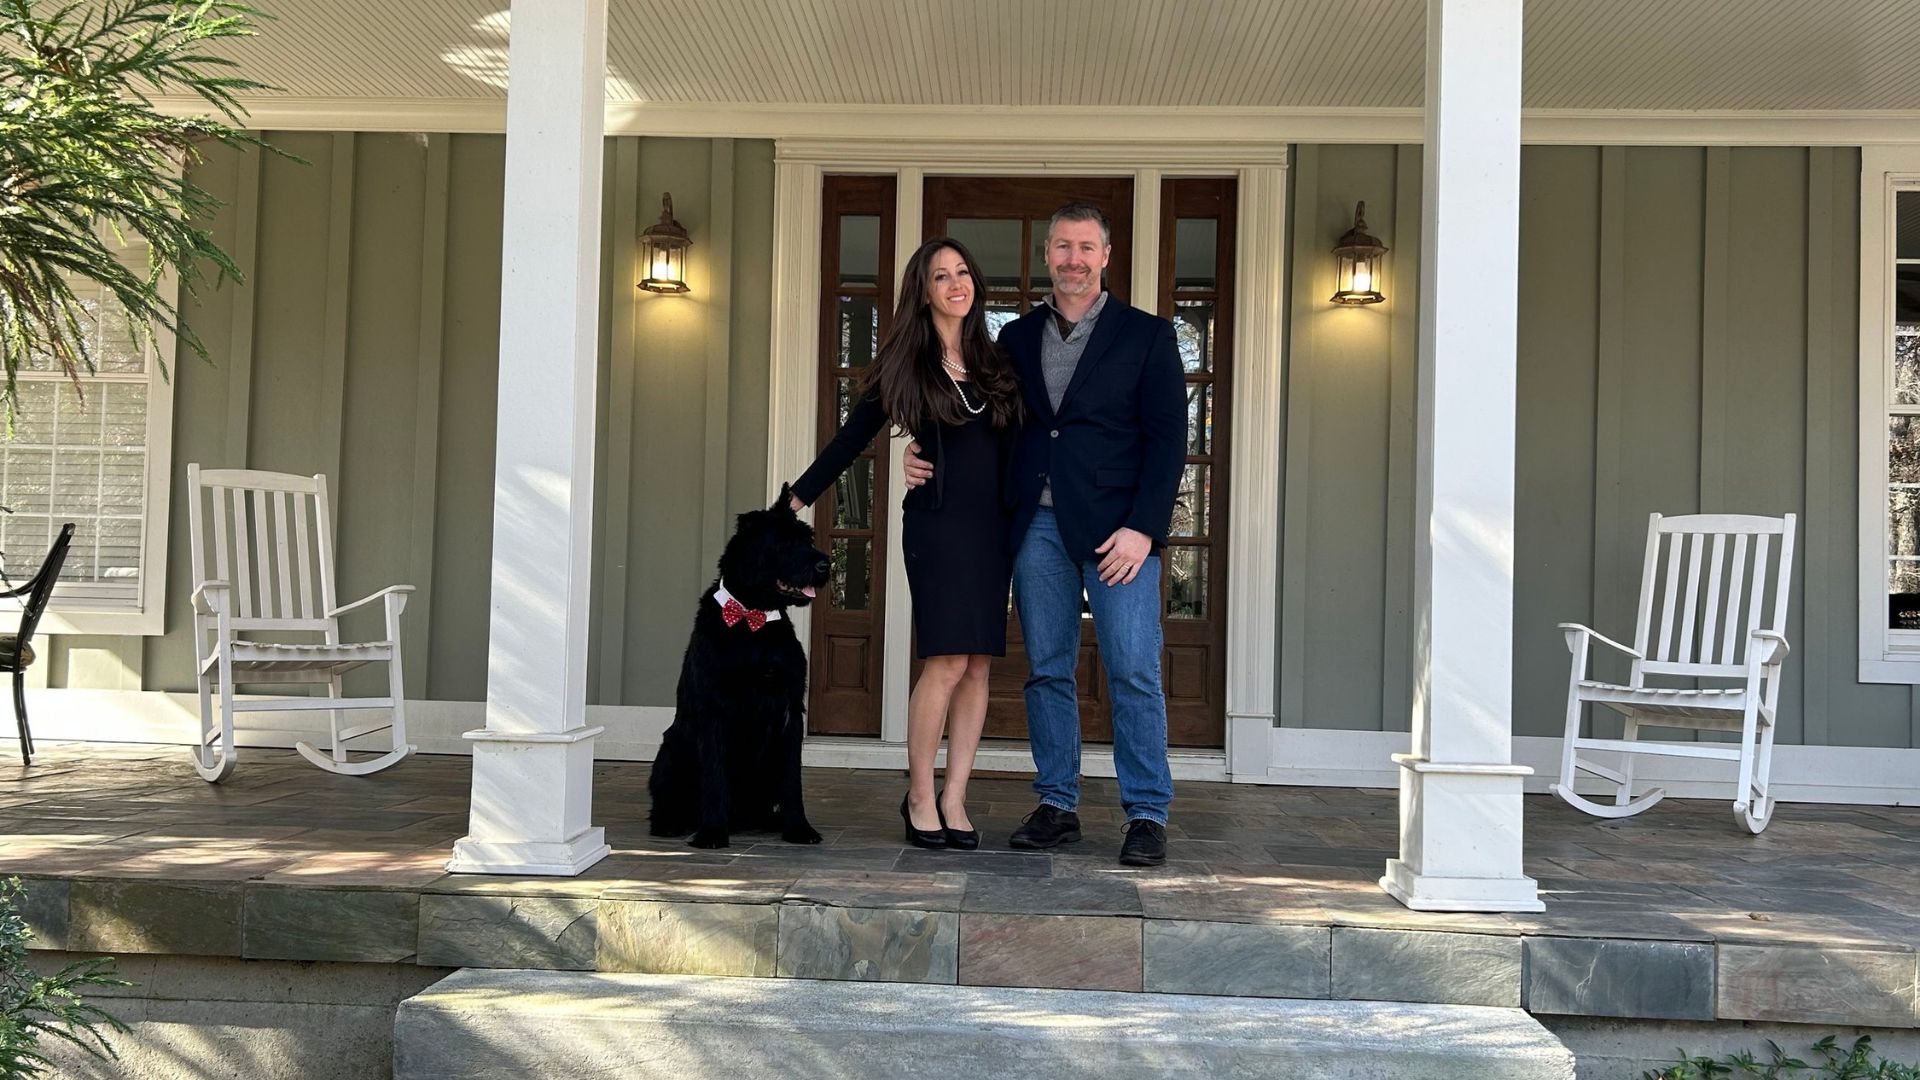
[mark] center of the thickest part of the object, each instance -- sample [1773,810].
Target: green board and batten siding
[365,346]
[1688,330]
[1687,334]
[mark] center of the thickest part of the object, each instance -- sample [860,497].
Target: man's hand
[1124,551]
[794,503]
[918,470]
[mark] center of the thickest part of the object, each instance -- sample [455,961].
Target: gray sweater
[1059,356]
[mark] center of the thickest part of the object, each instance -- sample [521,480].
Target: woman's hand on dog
[794,503]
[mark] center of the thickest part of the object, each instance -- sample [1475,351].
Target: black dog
[731,758]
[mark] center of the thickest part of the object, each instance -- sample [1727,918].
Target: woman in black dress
[939,377]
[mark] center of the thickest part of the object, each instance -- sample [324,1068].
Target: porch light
[664,246]
[1357,263]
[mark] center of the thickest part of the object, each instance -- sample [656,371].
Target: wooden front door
[856,305]
[1004,222]
[1197,229]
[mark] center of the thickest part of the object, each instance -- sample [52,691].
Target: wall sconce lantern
[664,246]
[1357,263]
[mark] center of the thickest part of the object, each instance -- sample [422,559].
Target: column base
[1249,747]
[534,858]
[532,804]
[1428,893]
[1460,838]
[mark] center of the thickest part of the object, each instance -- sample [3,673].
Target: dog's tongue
[808,590]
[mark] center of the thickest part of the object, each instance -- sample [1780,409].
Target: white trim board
[1864,775]
[1314,757]
[436,727]
[999,123]
[855,753]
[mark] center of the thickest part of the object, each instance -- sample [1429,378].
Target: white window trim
[69,614]
[1886,656]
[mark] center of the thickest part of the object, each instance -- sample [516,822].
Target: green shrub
[1856,1062]
[32,1005]
[84,149]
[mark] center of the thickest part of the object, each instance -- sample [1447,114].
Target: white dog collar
[722,597]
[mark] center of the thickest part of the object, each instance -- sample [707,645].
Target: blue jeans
[1047,587]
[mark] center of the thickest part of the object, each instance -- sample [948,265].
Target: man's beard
[1076,286]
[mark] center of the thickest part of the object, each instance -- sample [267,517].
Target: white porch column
[1460,793]
[533,763]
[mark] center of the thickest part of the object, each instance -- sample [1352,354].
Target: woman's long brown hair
[906,371]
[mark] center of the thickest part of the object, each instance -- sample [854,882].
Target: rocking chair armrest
[1777,646]
[391,590]
[210,597]
[1574,627]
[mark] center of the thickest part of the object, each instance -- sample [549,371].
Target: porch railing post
[533,762]
[1460,793]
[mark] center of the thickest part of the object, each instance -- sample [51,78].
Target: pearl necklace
[964,403]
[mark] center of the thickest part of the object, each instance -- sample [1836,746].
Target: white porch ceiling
[1331,54]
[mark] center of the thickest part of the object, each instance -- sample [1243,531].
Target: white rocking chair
[1749,658]
[263,578]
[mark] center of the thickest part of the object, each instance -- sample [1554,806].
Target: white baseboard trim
[1832,774]
[437,727]
[853,753]
[1305,756]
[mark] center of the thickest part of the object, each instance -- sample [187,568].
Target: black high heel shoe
[957,839]
[921,838]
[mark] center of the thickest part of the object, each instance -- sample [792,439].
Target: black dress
[955,528]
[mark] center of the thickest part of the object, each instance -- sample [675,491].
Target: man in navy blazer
[1094,473]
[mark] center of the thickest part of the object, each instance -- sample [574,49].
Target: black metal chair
[16,650]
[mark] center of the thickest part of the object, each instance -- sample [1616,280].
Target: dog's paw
[801,834]
[710,838]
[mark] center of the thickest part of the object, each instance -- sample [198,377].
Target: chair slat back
[1701,598]
[261,544]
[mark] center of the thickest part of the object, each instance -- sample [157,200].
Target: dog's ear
[781,501]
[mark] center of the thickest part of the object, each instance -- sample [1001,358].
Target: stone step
[586,1026]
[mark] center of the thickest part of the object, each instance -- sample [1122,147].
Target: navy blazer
[1117,445]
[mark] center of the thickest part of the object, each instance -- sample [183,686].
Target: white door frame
[1259,362]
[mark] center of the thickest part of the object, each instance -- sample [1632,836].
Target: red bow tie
[733,611]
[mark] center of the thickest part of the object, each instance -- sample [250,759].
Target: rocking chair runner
[261,538]
[1711,645]
[16,649]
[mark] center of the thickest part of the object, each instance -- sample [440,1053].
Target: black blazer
[1116,448]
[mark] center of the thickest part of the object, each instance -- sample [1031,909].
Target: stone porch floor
[1675,915]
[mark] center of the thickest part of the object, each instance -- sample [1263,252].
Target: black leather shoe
[926,838]
[1046,827]
[958,839]
[1145,845]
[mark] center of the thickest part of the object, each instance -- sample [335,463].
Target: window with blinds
[1902,367]
[1889,537]
[83,452]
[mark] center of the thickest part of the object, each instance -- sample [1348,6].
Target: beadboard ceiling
[1580,54]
